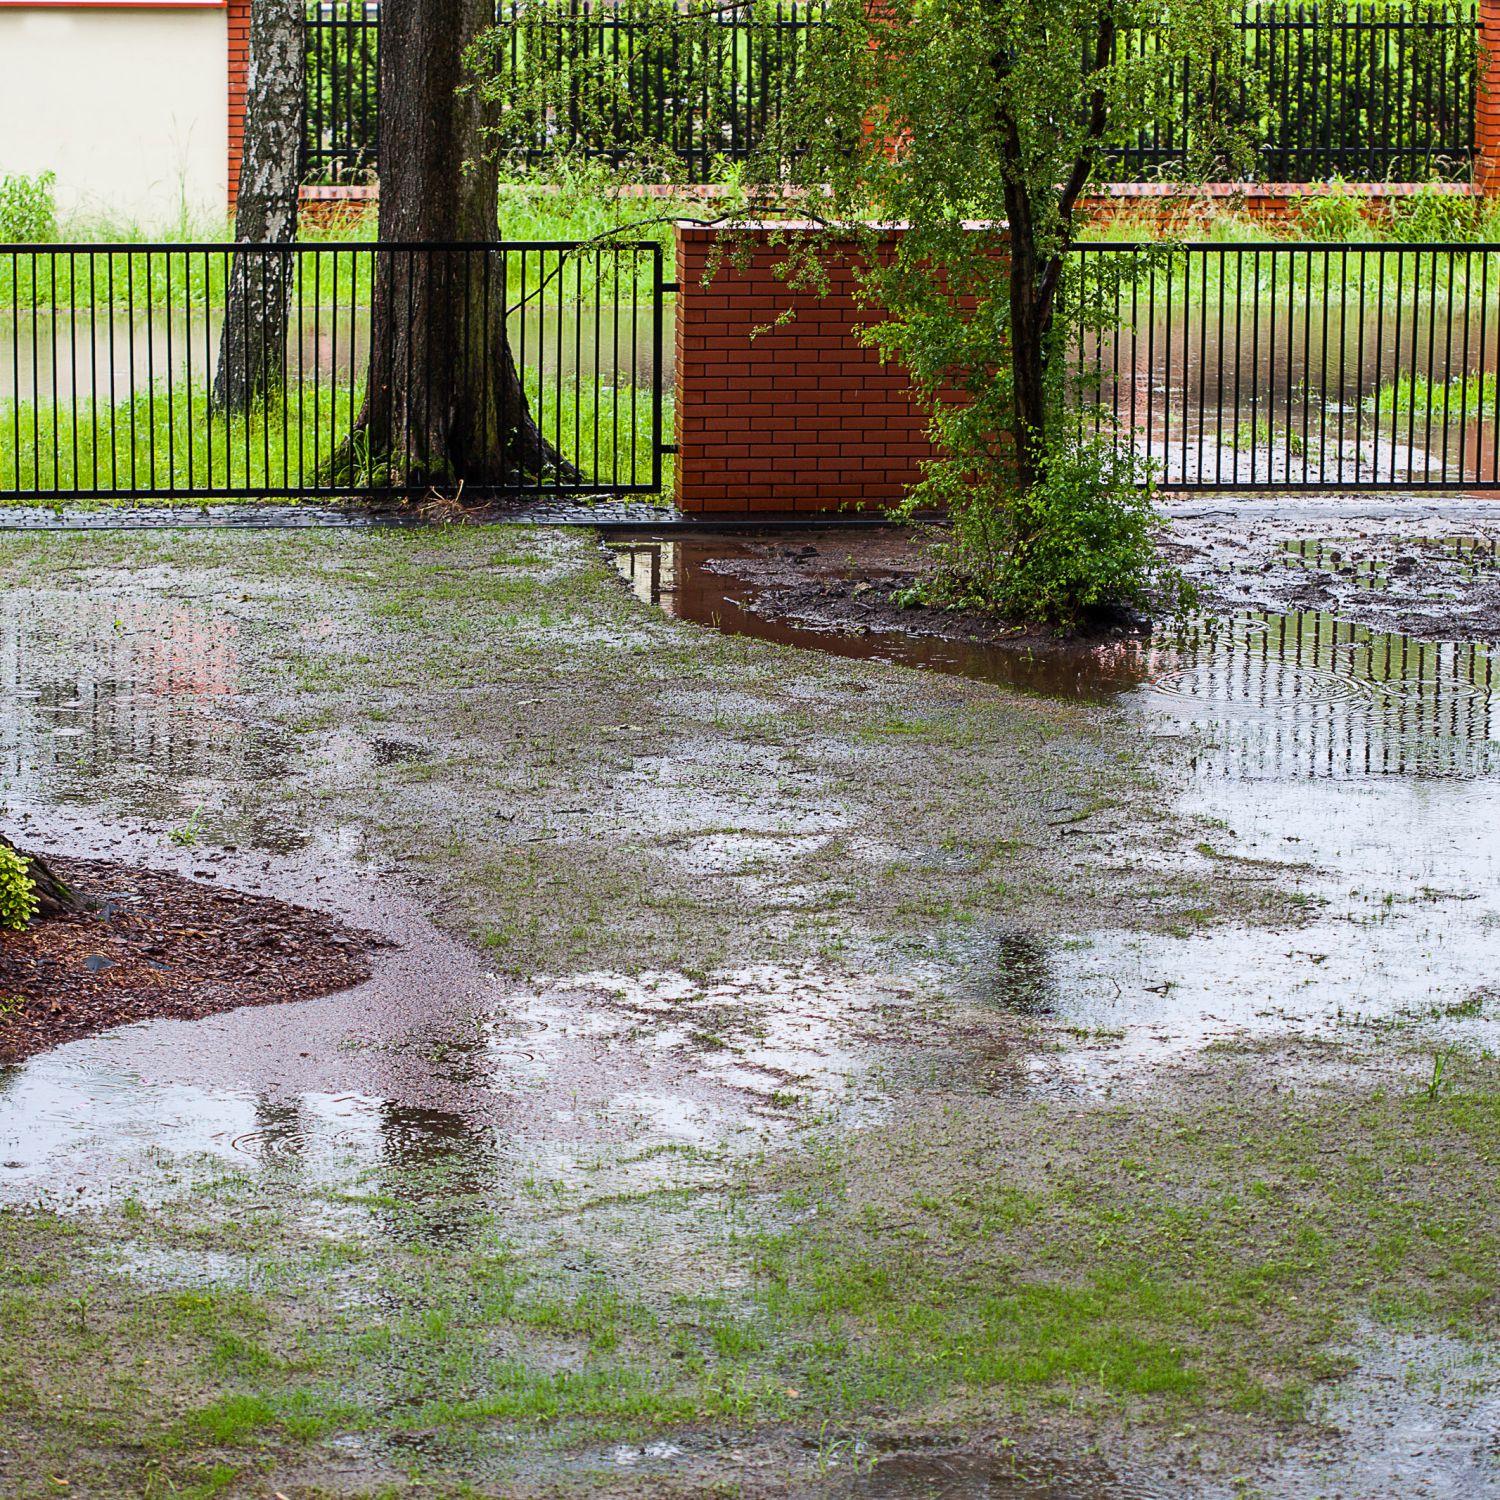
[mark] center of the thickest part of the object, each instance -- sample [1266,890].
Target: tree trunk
[1027,352]
[252,346]
[444,403]
[54,895]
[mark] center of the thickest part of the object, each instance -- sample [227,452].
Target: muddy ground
[1424,577]
[146,944]
[787,1074]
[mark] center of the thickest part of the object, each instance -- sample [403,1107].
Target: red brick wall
[1487,104]
[238,17]
[801,418]
[1278,205]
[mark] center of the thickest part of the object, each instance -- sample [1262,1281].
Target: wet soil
[1418,579]
[156,945]
[796,1075]
[1433,577]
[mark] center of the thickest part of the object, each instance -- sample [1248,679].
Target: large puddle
[1364,765]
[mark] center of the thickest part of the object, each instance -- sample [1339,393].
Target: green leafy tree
[979,125]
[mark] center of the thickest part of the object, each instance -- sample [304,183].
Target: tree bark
[444,403]
[54,895]
[252,346]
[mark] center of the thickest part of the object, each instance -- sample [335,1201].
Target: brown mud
[1428,579]
[155,945]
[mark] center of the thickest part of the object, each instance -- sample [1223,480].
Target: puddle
[1004,1475]
[436,1085]
[139,696]
[47,359]
[1420,1416]
[1363,762]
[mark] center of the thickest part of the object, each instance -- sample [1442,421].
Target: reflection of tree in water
[1023,976]
[442,1168]
[281,1128]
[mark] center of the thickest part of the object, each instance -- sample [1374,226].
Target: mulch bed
[163,946]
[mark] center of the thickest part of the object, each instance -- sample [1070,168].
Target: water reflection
[1241,382]
[63,358]
[144,708]
[1302,695]
[1011,1474]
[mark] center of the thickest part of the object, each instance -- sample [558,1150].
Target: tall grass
[172,444]
[120,274]
[1446,400]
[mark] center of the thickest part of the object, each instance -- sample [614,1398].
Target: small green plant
[18,899]
[1431,215]
[1334,214]
[28,212]
[1439,1068]
[1080,540]
[186,836]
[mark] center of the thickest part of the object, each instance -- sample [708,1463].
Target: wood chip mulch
[163,946]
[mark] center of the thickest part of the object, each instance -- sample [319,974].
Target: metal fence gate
[109,353]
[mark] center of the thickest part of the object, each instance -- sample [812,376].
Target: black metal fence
[110,357]
[1297,366]
[342,142]
[1370,91]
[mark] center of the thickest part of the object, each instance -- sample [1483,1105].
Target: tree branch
[1079,176]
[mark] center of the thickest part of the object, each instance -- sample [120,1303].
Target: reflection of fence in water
[143,705]
[1310,696]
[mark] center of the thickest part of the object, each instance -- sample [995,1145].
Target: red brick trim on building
[237,19]
[801,418]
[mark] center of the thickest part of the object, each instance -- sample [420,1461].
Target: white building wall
[127,104]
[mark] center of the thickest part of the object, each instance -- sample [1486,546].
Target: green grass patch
[170,441]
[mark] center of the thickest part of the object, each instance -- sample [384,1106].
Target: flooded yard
[818,1049]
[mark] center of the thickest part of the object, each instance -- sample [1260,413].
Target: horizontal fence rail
[132,372]
[1370,92]
[1294,366]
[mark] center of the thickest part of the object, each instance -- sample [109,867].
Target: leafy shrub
[1080,541]
[28,212]
[1335,215]
[18,903]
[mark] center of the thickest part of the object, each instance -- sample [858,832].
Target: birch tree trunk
[252,346]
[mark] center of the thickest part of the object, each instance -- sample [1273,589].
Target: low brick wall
[1277,205]
[801,418]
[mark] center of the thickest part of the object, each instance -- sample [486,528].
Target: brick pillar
[1487,104]
[803,417]
[238,17]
